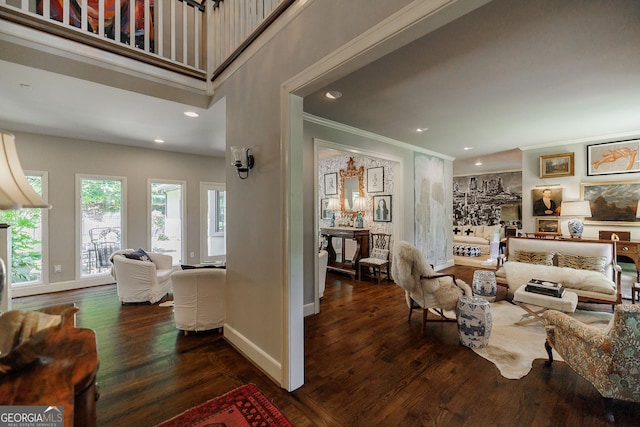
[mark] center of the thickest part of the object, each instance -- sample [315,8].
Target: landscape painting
[612,202]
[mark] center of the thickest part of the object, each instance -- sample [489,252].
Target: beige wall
[64,158]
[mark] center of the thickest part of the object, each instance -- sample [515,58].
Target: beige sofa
[477,235]
[586,267]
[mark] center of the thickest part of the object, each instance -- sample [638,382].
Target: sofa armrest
[559,323]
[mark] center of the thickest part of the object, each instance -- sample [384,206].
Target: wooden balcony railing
[197,38]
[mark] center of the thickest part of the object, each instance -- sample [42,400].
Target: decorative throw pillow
[593,263]
[380,253]
[139,255]
[531,257]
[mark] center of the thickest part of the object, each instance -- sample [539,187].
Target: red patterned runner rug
[244,406]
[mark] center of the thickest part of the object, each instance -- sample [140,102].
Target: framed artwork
[375,180]
[546,201]
[556,165]
[324,212]
[382,208]
[613,157]
[612,202]
[330,183]
[547,225]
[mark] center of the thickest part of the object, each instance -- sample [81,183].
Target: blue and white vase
[474,321]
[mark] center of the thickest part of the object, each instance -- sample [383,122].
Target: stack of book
[545,287]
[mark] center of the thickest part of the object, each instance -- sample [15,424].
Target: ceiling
[509,75]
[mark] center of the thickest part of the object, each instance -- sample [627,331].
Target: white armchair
[142,281]
[199,298]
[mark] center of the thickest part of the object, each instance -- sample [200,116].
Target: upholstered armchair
[139,280]
[199,298]
[423,287]
[608,358]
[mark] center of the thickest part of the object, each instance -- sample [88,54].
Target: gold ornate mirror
[351,185]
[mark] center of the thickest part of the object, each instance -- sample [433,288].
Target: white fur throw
[519,273]
[409,266]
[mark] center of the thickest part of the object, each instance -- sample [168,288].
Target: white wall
[64,158]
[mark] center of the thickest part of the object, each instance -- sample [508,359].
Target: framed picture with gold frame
[556,165]
[547,225]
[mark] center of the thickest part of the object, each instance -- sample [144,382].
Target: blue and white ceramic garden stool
[484,285]
[474,321]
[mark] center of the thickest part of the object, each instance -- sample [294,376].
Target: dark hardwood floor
[365,366]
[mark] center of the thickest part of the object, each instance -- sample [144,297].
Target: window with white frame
[28,231]
[101,220]
[167,218]
[213,221]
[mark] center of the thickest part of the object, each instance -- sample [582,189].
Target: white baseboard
[255,354]
[309,309]
[28,290]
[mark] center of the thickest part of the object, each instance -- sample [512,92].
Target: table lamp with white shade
[360,205]
[333,206]
[576,209]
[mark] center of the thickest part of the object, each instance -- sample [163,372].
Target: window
[27,231]
[166,218]
[101,223]
[213,221]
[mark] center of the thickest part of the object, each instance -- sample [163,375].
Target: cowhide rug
[513,348]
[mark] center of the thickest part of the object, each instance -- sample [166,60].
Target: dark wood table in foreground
[64,374]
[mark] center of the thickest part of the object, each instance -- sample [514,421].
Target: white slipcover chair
[142,281]
[199,298]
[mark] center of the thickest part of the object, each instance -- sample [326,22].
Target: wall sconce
[242,160]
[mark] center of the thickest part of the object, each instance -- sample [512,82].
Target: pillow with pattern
[532,257]
[593,263]
[139,255]
[380,253]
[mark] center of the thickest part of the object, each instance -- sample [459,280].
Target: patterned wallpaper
[334,164]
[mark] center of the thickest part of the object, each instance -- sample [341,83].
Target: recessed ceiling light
[159,141]
[191,114]
[333,94]
[478,163]
[422,130]
[468,148]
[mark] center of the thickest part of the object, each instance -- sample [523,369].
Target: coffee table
[525,299]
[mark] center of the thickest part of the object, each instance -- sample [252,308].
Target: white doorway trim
[410,23]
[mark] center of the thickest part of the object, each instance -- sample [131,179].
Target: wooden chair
[378,260]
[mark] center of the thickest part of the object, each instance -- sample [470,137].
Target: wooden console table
[361,237]
[630,250]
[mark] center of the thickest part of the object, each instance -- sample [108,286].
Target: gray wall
[64,158]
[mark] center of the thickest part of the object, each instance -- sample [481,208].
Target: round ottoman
[484,285]
[474,321]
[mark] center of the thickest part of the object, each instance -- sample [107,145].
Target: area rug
[513,348]
[244,406]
